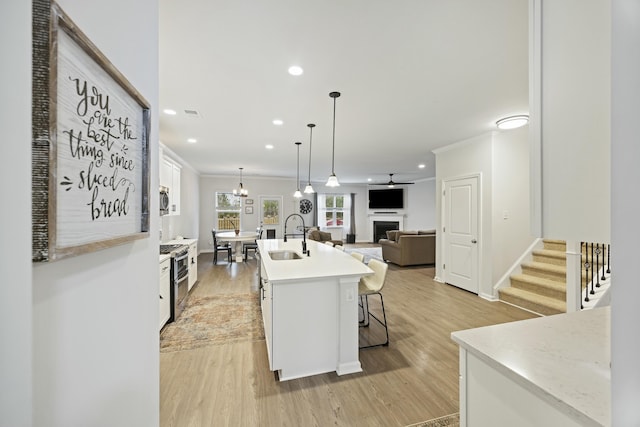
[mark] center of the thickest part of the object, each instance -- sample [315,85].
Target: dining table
[237,238]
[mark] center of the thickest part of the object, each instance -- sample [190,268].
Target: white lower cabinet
[266,304]
[165,292]
[193,263]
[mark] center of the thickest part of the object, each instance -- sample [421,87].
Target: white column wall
[625,211]
[421,202]
[95,316]
[575,120]
[16,394]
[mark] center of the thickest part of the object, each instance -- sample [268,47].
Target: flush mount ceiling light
[295,70]
[333,179]
[298,194]
[512,122]
[309,189]
[240,191]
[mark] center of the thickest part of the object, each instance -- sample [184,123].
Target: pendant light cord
[333,149]
[311,126]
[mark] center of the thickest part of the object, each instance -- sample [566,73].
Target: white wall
[511,235]
[16,393]
[502,160]
[421,202]
[575,120]
[472,156]
[625,211]
[95,316]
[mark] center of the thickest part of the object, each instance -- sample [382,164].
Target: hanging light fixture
[309,189]
[240,191]
[333,179]
[298,194]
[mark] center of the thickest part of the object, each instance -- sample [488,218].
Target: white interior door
[461,233]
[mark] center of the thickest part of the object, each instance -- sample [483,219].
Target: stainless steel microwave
[164,200]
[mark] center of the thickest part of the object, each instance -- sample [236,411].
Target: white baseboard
[437,279]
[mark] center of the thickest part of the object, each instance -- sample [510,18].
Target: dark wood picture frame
[90,147]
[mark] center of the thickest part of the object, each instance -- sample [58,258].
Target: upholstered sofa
[322,236]
[409,247]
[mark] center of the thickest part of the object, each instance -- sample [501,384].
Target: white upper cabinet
[170,178]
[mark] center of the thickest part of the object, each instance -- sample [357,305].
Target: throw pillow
[391,235]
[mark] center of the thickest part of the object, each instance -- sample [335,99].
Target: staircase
[541,287]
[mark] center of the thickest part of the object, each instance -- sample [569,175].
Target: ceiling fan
[391,183]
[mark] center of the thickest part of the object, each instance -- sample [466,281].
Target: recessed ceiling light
[277,122]
[169,111]
[512,122]
[422,166]
[369,179]
[192,140]
[269,147]
[295,70]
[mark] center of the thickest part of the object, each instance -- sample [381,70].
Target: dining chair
[339,247]
[358,256]
[271,233]
[328,243]
[372,285]
[220,247]
[251,246]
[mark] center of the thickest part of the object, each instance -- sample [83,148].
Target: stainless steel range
[179,277]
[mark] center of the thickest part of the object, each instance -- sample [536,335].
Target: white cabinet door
[266,304]
[165,292]
[174,195]
[170,178]
[193,264]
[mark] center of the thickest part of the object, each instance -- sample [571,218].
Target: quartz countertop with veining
[563,359]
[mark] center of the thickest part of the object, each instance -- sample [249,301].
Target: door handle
[474,241]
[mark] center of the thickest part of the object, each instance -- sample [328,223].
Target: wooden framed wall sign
[90,146]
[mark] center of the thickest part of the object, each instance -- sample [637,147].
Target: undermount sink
[284,255]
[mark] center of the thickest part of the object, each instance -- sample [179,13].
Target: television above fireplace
[388,198]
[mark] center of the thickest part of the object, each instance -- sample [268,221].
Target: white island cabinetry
[550,371]
[165,291]
[310,309]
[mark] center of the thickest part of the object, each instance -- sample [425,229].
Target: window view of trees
[334,213]
[228,211]
[270,211]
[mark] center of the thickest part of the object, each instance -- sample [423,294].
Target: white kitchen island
[550,371]
[310,308]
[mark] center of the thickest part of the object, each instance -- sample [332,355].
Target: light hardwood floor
[414,379]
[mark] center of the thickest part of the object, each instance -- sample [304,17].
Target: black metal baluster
[603,261]
[592,291]
[586,267]
[608,259]
[598,265]
[581,265]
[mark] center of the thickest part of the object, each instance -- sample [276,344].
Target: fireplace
[380,229]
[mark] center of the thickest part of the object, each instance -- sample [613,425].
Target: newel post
[574,279]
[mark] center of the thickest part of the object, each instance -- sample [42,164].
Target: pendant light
[333,179]
[240,191]
[309,189]
[298,194]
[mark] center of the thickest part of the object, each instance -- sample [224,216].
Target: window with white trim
[227,211]
[334,210]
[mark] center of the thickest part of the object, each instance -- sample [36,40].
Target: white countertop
[564,359]
[324,261]
[186,242]
[164,257]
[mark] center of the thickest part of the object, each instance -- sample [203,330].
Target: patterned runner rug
[212,320]
[452,420]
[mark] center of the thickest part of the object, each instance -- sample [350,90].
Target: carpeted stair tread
[540,285]
[550,256]
[545,270]
[555,245]
[532,301]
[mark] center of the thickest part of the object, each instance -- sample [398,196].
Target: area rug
[214,320]
[452,420]
[369,253]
